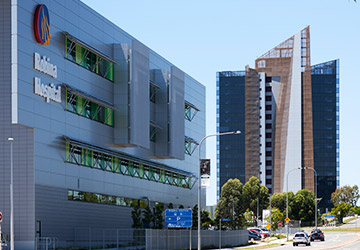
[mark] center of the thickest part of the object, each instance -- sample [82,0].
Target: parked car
[263,235]
[261,232]
[317,234]
[253,235]
[301,238]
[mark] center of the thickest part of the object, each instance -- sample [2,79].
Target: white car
[301,238]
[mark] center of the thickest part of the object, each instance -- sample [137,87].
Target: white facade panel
[262,79]
[293,141]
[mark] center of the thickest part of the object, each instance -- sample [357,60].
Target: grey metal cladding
[161,113]
[139,95]
[121,91]
[176,114]
[23,149]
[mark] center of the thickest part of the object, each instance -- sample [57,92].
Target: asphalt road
[333,240]
[352,224]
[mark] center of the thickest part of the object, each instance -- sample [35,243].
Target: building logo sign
[42,25]
[43,65]
[49,91]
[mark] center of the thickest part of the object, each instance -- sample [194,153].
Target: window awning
[89,97]
[191,105]
[154,85]
[155,125]
[125,156]
[189,139]
[88,47]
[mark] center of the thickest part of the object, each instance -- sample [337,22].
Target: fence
[151,239]
[182,239]
[45,243]
[94,238]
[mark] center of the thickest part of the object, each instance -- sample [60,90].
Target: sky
[202,37]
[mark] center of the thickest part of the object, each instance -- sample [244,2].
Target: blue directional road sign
[225,219]
[327,216]
[177,218]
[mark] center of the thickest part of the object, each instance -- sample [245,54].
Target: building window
[268,144]
[190,111]
[86,58]
[268,117]
[268,107]
[268,163]
[268,135]
[89,109]
[107,162]
[268,126]
[268,88]
[105,199]
[268,153]
[268,172]
[268,98]
[268,181]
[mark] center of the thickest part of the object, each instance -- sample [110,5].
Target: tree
[195,217]
[278,200]
[206,221]
[252,190]
[302,206]
[136,217]
[230,205]
[341,210]
[276,215]
[148,217]
[158,218]
[346,194]
[355,210]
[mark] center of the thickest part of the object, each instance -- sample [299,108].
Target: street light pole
[287,201]
[199,181]
[11,140]
[315,173]
[270,216]
[257,213]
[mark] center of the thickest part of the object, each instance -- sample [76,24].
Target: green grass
[259,247]
[350,219]
[341,230]
[270,239]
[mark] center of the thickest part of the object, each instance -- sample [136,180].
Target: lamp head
[237,132]
[10,139]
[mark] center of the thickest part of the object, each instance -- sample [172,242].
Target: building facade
[281,107]
[100,123]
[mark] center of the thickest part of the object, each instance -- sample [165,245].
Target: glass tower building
[325,98]
[288,112]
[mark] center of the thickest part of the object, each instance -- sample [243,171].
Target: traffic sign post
[280,225]
[178,218]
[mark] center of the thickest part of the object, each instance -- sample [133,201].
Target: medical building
[100,123]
